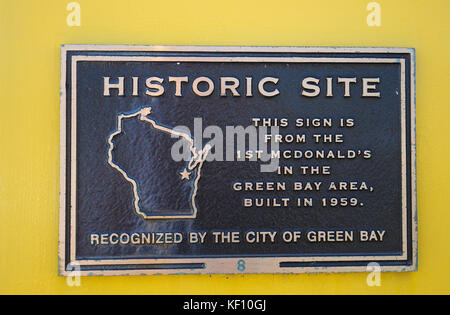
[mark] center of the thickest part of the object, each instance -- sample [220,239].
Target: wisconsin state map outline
[193,167]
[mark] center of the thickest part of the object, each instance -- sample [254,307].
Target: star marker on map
[185,174]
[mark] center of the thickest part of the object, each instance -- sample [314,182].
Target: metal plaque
[179,160]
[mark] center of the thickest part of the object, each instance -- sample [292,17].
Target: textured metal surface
[100,200]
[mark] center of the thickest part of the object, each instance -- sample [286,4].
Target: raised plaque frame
[68,261]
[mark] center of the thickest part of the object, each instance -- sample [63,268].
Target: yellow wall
[31,33]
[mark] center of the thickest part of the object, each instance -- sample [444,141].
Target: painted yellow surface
[31,33]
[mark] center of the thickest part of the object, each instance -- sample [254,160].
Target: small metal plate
[180,160]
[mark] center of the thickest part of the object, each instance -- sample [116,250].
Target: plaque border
[227,265]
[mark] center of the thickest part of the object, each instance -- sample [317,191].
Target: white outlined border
[220,264]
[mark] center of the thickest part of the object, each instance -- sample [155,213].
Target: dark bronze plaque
[237,160]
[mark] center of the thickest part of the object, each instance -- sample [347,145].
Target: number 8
[241,265]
